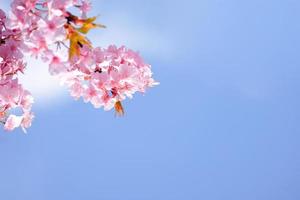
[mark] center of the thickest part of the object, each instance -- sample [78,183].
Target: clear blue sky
[223,124]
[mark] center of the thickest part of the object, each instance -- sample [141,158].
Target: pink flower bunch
[12,94]
[107,76]
[48,30]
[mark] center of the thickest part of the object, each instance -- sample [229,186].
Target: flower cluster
[48,30]
[105,77]
[12,94]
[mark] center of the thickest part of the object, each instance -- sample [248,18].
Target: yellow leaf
[89,24]
[76,42]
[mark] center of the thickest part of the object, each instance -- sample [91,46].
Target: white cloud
[44,87]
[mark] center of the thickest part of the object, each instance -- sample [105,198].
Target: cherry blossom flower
[13,122]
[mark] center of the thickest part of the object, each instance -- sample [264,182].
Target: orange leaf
[119,108]
[76,42]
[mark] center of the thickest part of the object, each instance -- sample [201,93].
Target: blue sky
[223,124]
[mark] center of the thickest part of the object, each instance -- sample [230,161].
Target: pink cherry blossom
[85,7]
[13,122]
[56,65]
